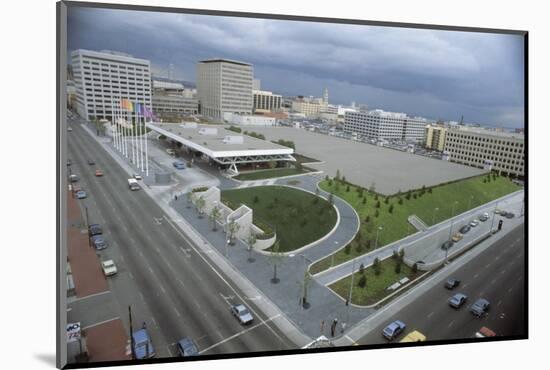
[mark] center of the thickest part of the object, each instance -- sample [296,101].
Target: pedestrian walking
[333,327]
[175,197]
[144,326]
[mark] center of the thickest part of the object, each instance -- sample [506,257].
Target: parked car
[179,165]
[69,162]
[143,346]
[457,300]
[464,229]
[413,336]
[497,211]
[187,347]
[448,244]
[70,129]
[474,223]
[485,332]
[393,330]
[457,237]
[76,188]
[242,314]
[73,178]
[109,267]
[98,241]
[98,173]
[137,177]
[480,307]
[484,217]
[94,229]
[452,283]
[81,194]
[91,162]
[509,215]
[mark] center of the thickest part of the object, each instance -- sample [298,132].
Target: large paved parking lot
[364,164]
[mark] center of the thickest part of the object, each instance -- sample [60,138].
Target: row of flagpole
[122,120]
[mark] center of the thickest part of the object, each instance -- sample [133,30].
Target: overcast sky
[435,74]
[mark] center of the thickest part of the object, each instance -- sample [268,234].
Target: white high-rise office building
[224,86]
[101,77]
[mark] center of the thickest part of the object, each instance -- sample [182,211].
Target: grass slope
[298,217]
[467,194]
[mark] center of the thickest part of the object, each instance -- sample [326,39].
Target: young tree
[376,266]
[414,268]
[347,249]
[398,268]
[376,213]
[367,244]
[401,255]
[256,199]
[361,269]
[390,210]
[250,241]
[200,203]
[347,189]
[400,201]
[344,179]
[386,200]
[408,196]
[232,228]
[275,258]
[364,200]
[337,178]
[362,283]
[377,204]
[367,219]
[330,182]
[214,216]
[395,255]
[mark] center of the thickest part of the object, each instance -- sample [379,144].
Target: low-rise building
[484,148]
[266,101]
[379,124]
[249,120]
[435,137]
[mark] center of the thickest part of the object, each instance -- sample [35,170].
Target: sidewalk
[87,274]
[107,341]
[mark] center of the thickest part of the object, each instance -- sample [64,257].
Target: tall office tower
[224,86]
[101,77]
[325,96]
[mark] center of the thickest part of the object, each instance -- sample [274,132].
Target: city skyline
[434,74]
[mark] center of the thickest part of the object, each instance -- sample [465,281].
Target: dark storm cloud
[432,73]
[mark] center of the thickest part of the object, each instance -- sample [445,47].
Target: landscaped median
[298,217]
[372,284]
[385,219]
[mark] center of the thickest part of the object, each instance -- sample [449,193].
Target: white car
[109,267]
[137,177]
[474,223]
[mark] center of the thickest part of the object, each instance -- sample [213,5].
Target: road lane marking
[503,271]
[475,276]
[100,323]
[510,290]
[192,245]
[90,296]
[493,281]
[487,265]
[177,312]
[142,297]
[450,324]
[131,276]
[162,288]
[430,314]
[499,302]
[239,333]
[155,322]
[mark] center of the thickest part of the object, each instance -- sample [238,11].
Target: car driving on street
[81,194]
[452,283]
[99,242]
[242,314]
[480,307]
[457,300]
[393,330]
[109,267]
[187,347]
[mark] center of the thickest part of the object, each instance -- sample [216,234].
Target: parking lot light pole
[433,215]
[493,219]
[376,240]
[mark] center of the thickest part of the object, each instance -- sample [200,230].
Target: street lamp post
[376,240]
[305,303]
[433,215]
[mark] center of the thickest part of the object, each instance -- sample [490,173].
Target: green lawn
[298,217]
[467,194]
[268,174]
[375,288]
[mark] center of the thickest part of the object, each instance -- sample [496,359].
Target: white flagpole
[135,139]
[117,129]
[146,154]
[124,132]
[140,117]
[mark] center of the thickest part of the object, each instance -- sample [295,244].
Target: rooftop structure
[224,147]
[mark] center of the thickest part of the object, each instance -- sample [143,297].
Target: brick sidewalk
[86,269]
[107,342]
